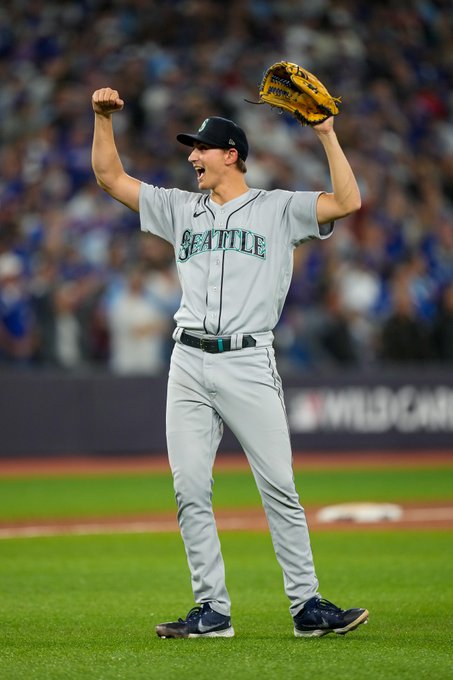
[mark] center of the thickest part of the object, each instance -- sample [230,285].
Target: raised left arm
[345,198]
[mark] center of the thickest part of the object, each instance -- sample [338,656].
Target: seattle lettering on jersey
[241,240]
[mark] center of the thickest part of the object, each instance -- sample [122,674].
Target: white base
[360,512]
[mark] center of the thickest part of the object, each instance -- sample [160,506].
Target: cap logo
[203,125]
[232,142]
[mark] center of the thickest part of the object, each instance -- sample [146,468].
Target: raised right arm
[107,166]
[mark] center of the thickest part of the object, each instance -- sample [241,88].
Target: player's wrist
[103,114]
[327,137]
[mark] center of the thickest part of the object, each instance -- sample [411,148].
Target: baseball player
[234,249]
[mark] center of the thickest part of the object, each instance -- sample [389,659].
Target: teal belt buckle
[220,344]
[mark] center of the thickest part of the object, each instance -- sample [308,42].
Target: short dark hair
[241,165]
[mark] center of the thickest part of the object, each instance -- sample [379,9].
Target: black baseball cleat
[201,621]
[319,617]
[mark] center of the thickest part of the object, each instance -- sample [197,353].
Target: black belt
[214,345]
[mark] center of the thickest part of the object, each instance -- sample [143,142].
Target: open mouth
[200,172]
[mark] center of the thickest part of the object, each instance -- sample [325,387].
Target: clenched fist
[106,101]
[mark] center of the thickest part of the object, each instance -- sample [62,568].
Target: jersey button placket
[215,280]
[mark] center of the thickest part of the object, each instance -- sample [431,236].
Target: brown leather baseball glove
[290,87]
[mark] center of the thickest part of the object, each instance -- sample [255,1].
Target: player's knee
[280,491]
[192,490]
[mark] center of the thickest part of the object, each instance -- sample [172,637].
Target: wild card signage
[371,409]
[373,412]
[350,410]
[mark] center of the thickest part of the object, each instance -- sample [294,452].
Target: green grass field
[25,497]
[86,606]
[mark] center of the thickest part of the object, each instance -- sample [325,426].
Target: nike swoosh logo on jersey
[200,213]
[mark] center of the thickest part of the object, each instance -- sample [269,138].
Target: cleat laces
[322,603]
[193,614]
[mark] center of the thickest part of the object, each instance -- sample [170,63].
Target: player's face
[208,163]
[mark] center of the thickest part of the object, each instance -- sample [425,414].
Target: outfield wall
[54,414]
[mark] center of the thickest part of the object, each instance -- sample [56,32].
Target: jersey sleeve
[301,218]
[161,209]
[156,211]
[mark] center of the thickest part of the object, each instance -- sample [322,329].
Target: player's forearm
[105,159]
[344,185]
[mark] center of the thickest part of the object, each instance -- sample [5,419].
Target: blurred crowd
[81,287]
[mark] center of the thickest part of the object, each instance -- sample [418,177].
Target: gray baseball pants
[243,389]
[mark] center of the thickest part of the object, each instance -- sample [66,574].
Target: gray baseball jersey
[234,261]
[235,264]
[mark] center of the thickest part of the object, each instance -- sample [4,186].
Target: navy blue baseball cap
[220,133]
